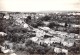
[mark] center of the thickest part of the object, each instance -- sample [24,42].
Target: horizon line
[46,11]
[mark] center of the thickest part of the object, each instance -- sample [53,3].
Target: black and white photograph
[39,27]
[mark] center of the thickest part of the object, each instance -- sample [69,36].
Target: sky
[39,5]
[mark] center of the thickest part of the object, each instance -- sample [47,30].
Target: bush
[28,19]
[45,18]
[52,24]
[37,23]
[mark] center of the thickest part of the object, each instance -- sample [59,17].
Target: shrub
[45,18]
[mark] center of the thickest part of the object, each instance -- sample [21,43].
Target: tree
[28,19]
[45,18]
[1,21]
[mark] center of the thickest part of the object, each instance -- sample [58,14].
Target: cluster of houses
[44,34]
[67,39]
[3,48]
[62,38]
